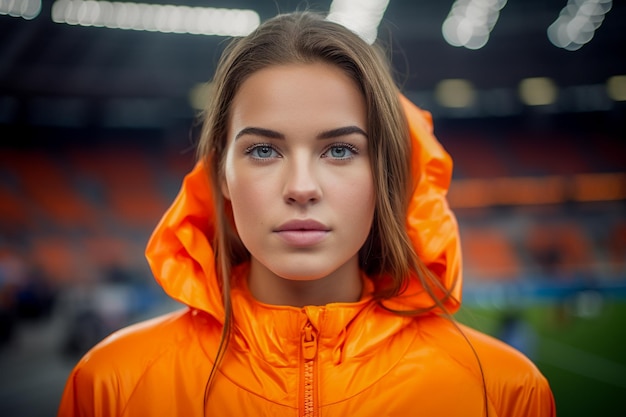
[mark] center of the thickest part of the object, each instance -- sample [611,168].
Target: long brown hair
[305,37]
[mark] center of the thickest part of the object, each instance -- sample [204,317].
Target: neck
[341,286]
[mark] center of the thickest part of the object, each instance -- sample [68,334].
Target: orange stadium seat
[104,251]
[488,255]
[58,258]
[128,182]
[48,189]
[562,249]
[13,210]
[616,247]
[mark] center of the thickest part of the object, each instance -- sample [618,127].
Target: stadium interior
[99,117]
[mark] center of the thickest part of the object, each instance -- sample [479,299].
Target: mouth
[302,226]
[302,233]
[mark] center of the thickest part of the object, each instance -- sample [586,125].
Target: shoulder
[142,342]
[494,353]
[462,343]
[125,355]
[514,384]
[105,377]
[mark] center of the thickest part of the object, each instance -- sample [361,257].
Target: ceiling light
[470,22]
[156,17]
[360,16]
[199,96]
[538,91]
[616,87]
[26,9]
[455,93]
[577,23]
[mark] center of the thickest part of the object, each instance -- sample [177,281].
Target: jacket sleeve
[89,394]
[534,398]
[515,386]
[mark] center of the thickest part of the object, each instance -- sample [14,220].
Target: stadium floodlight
[455,93]
[538,91]
[360,16]
[156,17]
[616,87]
[26,9]
[577,23]
[470,22]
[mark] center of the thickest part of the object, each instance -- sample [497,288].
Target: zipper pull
[309,342]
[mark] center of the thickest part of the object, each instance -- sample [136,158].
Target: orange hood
[182,260]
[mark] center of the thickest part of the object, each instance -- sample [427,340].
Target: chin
[301,275]
[311,267]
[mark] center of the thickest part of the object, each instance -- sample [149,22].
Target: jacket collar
[181,257]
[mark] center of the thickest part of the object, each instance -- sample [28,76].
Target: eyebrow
[341,131]
[327,134]
[259,131]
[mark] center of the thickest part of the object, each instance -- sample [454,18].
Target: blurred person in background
[25,293]
[317,255]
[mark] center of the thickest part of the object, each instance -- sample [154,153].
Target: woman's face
[297,171]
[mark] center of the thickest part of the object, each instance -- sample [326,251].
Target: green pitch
[579,345]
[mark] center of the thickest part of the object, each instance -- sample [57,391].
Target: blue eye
[340,152]
[262,152]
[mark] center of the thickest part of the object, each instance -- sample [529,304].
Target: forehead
[316,95]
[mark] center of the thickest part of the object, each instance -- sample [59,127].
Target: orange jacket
[343,359]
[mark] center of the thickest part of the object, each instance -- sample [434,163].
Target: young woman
[316,253]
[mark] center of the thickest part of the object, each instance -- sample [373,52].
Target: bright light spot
[199,95]
[616,87]
[455,93]
[26,9]
[450,30]
[155,17]
[360,16]
[470,22]
[577,23]
[538,91]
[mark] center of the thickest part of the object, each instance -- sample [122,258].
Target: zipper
[308,370]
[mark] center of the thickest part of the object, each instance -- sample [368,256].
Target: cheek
[235,184]
[241,193]
[248,189]
[248,194]
[368,199]
[357,199]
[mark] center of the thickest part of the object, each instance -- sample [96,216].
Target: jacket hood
[181,257]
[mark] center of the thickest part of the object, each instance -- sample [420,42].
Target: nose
[302,184]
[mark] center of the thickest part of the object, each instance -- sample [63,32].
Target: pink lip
[302,232]
[302,225]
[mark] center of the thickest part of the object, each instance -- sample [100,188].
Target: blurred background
[98,120]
